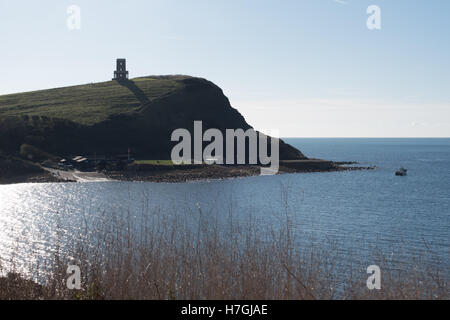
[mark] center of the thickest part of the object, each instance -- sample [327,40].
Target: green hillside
[110,117]
[91,103]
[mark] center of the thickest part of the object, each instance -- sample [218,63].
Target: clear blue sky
[309,68]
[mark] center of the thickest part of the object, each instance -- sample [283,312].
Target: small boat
[401,172]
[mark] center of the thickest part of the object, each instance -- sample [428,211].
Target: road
[79,176]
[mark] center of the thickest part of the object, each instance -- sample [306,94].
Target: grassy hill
[91,103]
[110,117]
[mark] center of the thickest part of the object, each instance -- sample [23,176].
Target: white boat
[401,172]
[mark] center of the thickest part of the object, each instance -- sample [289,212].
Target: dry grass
[203,256]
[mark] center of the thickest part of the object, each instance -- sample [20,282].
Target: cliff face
[146,126]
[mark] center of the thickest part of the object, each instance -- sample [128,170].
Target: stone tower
[121,70]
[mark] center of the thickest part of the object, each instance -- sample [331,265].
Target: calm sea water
[362,211]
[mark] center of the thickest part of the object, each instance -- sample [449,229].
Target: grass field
[87,104]
[155,162]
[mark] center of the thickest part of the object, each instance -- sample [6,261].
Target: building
[121,70]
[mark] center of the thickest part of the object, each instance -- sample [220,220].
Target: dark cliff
[109,117]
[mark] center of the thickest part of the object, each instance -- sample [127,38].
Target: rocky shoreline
[43,177]
[213,172]
[174,175]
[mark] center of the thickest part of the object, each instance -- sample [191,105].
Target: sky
[307,68]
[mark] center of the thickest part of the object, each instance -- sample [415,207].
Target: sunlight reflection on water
[357,209]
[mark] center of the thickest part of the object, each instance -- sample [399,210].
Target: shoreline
[175,175]
[43,177]
[193,175]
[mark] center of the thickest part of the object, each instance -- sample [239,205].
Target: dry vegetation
[203,256]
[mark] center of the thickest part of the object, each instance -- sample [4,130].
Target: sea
[361,213]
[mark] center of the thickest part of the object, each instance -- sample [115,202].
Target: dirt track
[78,176]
